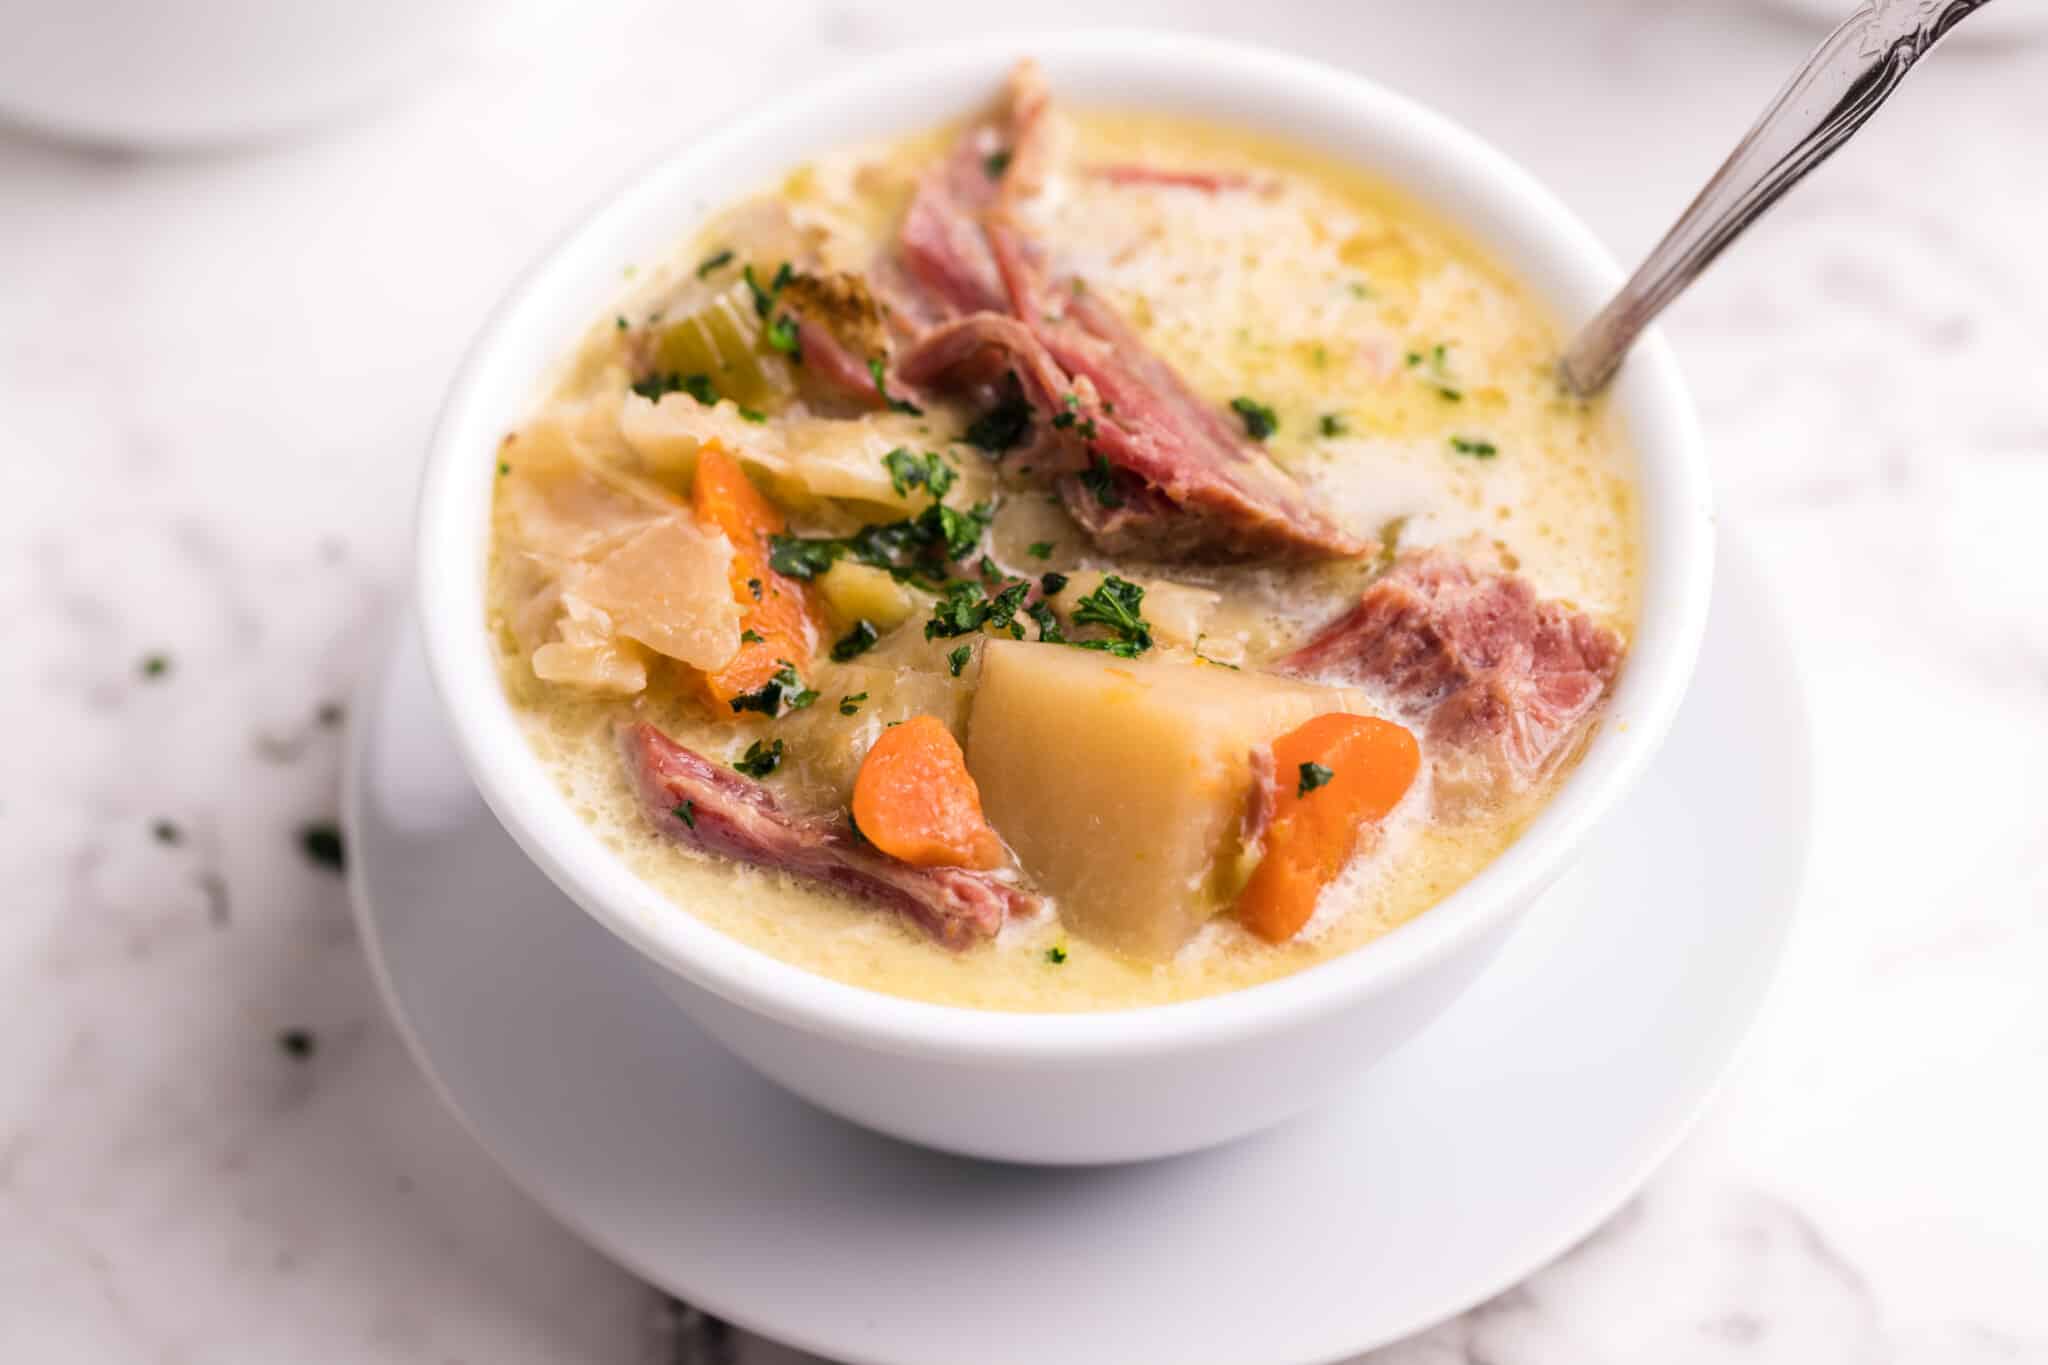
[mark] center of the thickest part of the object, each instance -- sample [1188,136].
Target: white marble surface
[216,372]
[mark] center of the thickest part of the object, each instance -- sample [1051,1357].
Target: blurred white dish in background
[171,73]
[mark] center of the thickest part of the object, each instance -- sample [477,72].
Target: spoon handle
[1848,76]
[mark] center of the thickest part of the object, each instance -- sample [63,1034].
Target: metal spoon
[1848,76]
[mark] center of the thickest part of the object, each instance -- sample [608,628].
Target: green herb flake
[1057,954]
[995,163]
[503,469]
[850,705]
[1118,605]
[965,608]
[783,692]
[1258,418]
[957,660]
[915,550]
[717,260]
[620,322]
[764,299]
[1435,366]
[1100,480]
[1052,584]
[687,813]
[753,415]
[154,665]
[1313,775]
[875,369]
[1477,449]
[1039,549]
[1003,427]
[855,642]
[927,471]
[167,833]
[1333,424]
[321,843]
[781,336]
[760,759]
[698,386]
[754,587]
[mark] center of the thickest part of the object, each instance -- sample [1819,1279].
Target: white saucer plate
[1489,1144]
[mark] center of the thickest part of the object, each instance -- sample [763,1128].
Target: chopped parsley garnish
[297,1043]
[321,843]
[800,558]
[760,759]
[1098,478]
[155,665]
[915,549]
[1039,549]
[850,705]
[1117,605]
[966,607]
[783,692]
[620,322]
[1057,954]
[1333,424]
[715,261]
[503,469]
[957,660]
[753,415]
[882,388]
[698,386]
[1478,450]
[926,471]
[781,336]
[1435,369]
[1259,420]
[750,636]
[855,642]
[1004,426]
[1313,775]
[764,299]
[167,833]
[995,163]
[1070,416]
[1051,583]
[687,813]
[1048,624]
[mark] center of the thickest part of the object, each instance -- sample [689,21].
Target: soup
[1075,559]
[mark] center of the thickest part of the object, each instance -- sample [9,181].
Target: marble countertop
[216,374]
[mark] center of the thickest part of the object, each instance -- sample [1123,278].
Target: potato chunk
[1120,783]
[861,592]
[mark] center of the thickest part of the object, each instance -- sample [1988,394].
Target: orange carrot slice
[915,800]
[1337,774]
[777,625]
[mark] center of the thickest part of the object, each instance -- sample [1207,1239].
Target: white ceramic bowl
[1096,1087]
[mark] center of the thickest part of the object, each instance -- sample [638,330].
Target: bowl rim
[1477,188]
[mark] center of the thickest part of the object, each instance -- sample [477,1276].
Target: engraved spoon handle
[1848,76]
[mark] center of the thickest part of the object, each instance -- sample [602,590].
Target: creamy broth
[1411,381]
